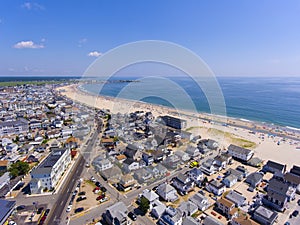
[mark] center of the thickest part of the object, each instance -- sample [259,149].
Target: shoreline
[208,126]
[256,126]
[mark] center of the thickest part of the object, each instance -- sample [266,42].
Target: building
[265,216]
[187,208]
[227,208]
[127,182]
[167,192]
[274,167]
[201,201]
[230,180]
[243,219]
[278,194]
[254,179]
[211,221]
[6,209]
[173,122]
[240,153]
[237,198]
[13,127]
[47,174]
[116,214]
[183,183]
[216,187]
[103,164]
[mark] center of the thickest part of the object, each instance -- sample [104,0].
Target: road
[57,215]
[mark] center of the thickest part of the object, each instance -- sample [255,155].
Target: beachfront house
[240,153]
[274,167]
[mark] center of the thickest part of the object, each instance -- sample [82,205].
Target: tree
[204,182]
[144,205]
[18,168]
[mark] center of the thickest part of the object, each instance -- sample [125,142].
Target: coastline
[265,136]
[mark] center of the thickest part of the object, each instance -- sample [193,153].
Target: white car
[103,199]
[69,208]
[12,223]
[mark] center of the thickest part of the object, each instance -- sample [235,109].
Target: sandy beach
[264,141]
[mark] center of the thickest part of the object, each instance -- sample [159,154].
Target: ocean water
[274,100]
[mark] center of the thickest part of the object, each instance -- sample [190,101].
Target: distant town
[64,162]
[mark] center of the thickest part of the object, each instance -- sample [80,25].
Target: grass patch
[196,214]
[90,183]
[232,138]
[192,128]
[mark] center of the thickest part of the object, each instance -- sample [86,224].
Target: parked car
[93,179]
[39,211]
[21,207]
[295,213]
[80,198]
[100,197]
[103,189]
[98,184]
[132,216]
[81,193]
[78,210]
[298,202]
[69,208]
[47,212]
[103,199]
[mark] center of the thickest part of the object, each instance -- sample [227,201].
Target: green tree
[144,205]
[18,168]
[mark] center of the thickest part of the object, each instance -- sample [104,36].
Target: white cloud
[94,54]
[32,5]
[28,44]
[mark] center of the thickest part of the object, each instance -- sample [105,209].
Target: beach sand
[266,146]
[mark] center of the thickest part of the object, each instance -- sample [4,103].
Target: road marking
[61,203]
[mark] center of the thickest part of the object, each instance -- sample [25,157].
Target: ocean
[273,100]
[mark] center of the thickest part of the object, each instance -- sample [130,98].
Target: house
[278,194]
[293,180]
[230,180]
[254,179]
[113,174]
[127,182]
[130,164]
[189,221]
[171,162]
[274,167]
[238,174]
[208,167]
[3,165]
[133,152]
[183,183]
[11,147]
[148,159]
[240,153]
[201,201]
[171,216]
[183,156]
[192,151]
[237,198]
[173,122]
[161,170]
[167,192]
[187,208]
[158,208]
[116,214]
[196,175]
[220,162]
[243,170]
[158,156]
[265,216]
[208,220]
[243,219]
[4,180]
[216,187]
[103,164]
[47,174]
[227,208]
[295,170]
[142,175]
[255,162]
[120,158]
[151,196]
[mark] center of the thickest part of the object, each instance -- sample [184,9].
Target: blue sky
[235,38]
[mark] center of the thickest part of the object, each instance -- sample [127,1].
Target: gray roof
[211,221]
[265,213]
[189,221]
[118,210]
[5,208]
[235,197]
[275,165]
[239,149]
[188,208]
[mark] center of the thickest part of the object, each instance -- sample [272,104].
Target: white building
[240,153]
[48,173]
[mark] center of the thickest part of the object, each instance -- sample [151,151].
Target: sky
[234,38]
